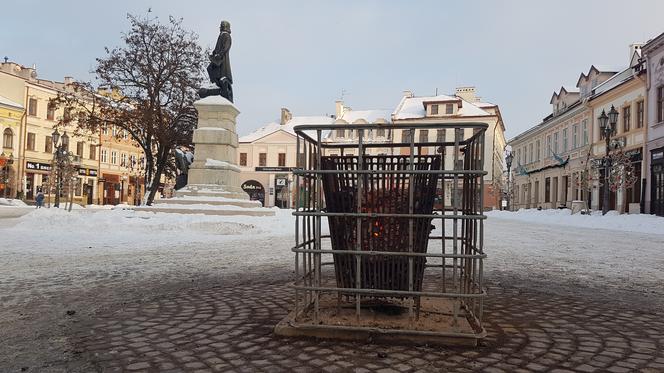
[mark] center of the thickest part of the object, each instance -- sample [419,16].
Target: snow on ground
[612,220]
[12,202]
[51,250]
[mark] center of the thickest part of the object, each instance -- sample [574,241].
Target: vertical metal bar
[297,224]
[317,230]
[481,222]
[411,236]
[455,208]
[358,234]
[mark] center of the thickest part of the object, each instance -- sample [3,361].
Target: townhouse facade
[32,145]
[267,155]
[552,161]
[463,106]
[653,56]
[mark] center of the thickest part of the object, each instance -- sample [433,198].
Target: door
[657,189]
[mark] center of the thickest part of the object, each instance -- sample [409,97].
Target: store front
[657,181]
[36,178]
[255,190]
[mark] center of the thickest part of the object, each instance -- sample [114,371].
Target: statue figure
[183,159]
[219,68]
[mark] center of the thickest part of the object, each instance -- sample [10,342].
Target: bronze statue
[219,68]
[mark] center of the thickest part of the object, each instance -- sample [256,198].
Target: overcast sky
[303,54]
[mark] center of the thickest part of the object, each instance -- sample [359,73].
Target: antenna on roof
[343,93]
[436,92]
[6,59]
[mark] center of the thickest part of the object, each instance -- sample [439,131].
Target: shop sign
[92,172]
[657,155]
[82,171]
[274,169]
[281,182]
[38,166]
[634,155]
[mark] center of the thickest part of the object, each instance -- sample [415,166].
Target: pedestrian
[39,199]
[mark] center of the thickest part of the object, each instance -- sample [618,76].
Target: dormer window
[434,109]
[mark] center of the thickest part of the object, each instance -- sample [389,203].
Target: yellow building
[11,115]
[34,147]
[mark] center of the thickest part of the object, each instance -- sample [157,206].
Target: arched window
[8,138]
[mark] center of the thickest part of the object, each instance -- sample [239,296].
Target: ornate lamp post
[508,160]
[607,126]
[60,146]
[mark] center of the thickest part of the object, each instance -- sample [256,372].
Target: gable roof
[351,116]
[273,127]
[599,69]
[413,107]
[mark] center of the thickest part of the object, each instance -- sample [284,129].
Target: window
[424,135]
[114,131]
[50,112]
[585,131]
[93,151]
[125,135]
[104,155]
[548,145]
[243,159]
[31,141]
[449,109]
[380,132]
[104,129]
[7,138]
[547,189]
[440,135]
[262,159]
[123,160]
[79,148]
[340,133]
[575,136]
[114,157]
[530,153]
[405,136]
[640,114]
[660,104]
[32,107]
[48,144]
[565,140]
[537,151]
[555,142]
[434,109]
[627,118]
[282,159]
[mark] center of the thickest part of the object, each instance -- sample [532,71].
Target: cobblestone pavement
[230,329]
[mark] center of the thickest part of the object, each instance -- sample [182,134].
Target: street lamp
[607,126]
[508,159]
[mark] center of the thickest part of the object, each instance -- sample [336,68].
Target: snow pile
[215,163]
[12,202]
[640,223]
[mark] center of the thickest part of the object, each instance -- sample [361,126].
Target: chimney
[69,80]
[467,93]
[285,116]
[633,48]
[339,108]
[408,94]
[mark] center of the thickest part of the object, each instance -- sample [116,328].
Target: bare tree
[145,87]
[622,175]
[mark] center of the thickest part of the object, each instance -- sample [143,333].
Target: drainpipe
[21,139]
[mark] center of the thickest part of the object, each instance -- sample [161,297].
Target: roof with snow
[371,116]
[7,102]
[273,127]
[413,107]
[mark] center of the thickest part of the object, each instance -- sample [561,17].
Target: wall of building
[655,135]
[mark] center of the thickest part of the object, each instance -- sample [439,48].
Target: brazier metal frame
[456,246]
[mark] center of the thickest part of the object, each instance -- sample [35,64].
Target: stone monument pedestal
[213,185]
